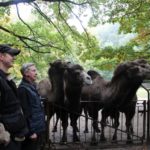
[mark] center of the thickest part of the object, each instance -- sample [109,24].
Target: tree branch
[50,22]
[78,20]
[15,2]
[24,39]
[18,14]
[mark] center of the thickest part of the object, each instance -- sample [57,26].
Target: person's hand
[33,136]
[4,135]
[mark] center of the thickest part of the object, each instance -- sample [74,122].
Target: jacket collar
[3,74]
[25,82]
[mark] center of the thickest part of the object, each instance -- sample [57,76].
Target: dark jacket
[32,108]
[10,109]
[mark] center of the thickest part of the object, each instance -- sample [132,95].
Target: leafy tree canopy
[52,34]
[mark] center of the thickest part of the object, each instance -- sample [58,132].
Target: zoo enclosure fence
[140,125]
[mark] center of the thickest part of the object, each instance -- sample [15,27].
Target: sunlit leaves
[59,30]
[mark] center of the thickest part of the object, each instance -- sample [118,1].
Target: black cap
[4,48]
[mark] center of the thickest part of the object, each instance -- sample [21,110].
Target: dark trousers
[13,145]
[37,144]
[29,144]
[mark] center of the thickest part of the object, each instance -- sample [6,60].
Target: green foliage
[72,46]
[4,12]
[49,36]
[133,16]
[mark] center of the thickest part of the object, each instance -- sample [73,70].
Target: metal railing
[139,123]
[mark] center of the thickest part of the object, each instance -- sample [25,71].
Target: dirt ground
[88,147]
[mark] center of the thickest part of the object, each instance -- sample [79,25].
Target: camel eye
[143,66]
[77,72]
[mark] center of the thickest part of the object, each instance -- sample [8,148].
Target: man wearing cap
[13,124]
[32,108]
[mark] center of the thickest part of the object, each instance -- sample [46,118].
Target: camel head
[77,73]
[93,74]
[57,68]
[59,64]
[134,70]
[44,87]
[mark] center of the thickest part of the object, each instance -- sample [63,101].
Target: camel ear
[141,61]
[69,65]
[69,69]
[120,69]
[50,64]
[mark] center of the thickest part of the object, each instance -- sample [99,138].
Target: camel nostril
[89,78]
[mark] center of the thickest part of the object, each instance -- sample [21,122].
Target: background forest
[47,30]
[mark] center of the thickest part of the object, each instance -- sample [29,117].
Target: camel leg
[129,128]
[129,139]
[94,115]
[103,124]
[74,118]
[86,120]
[95,121]
[64,119]
[129,116]
[55,126]
[95,125]
[64,136]
[49,113]
[115,124]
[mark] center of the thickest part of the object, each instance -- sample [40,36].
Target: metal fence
[139,136]
[141,126]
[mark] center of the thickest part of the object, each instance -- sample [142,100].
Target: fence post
[148,118]
[146,86]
